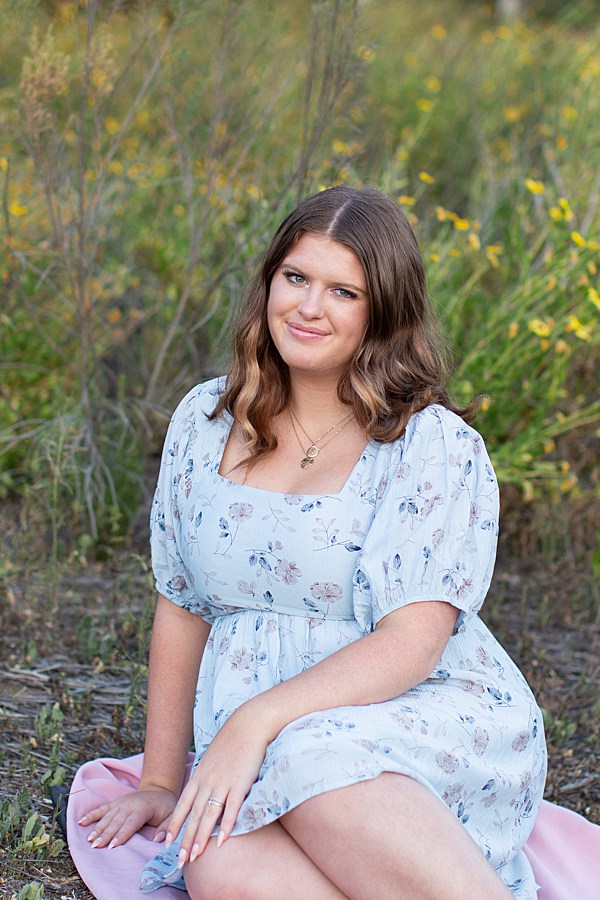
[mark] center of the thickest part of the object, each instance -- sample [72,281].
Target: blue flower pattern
[286,580]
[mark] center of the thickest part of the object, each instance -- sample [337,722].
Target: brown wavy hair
[401,365]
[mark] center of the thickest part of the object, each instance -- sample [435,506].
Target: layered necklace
[314,447]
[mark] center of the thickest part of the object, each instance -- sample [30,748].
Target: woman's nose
[311,304]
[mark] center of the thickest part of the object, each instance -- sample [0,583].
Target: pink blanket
[564,848]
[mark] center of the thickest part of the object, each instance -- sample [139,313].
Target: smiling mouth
[305,330]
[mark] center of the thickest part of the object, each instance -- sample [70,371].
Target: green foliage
[145,158]
[24,833]
[48,728]
[32,891]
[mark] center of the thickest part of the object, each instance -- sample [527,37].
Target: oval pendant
[312,451]
[306,463]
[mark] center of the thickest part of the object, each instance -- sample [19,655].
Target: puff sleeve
[172,577]
[435,529]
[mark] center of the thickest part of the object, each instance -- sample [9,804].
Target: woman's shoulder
[439,418]
[199,401]
[438,431]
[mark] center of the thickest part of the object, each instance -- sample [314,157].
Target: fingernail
[181,858]
[195,852]
[96,843]
[82,820]
[91,836]
[113,843]
[160,836]
[220,838]
[168,840]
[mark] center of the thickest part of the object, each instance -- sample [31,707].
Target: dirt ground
[78,638]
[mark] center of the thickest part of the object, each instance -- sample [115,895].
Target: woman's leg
[391,839]
[266,864]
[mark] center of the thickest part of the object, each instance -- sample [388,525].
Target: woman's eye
[350,295]
[293,277]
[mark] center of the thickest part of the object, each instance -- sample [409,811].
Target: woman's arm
[399,654]
[178,640]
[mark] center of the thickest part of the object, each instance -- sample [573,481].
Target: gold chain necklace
[312,451]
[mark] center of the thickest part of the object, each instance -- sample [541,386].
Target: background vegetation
[147,150]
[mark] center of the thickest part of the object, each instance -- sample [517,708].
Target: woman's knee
[227,873]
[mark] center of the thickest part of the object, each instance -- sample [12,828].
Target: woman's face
[318,307]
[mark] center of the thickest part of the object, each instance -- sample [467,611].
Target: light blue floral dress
[286,580]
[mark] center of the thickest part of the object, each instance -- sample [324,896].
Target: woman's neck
[316,404]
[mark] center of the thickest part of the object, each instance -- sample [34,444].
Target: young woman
[323,536]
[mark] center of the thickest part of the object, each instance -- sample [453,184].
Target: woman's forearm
[178,640]
[399,654]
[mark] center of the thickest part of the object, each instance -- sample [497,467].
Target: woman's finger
[230,814]
[181,811]
[94,814]
[201,824]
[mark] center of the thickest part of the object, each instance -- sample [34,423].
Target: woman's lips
[305,332]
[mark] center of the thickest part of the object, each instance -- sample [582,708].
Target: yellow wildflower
[592,267]
[540,327]
[367,54]
[578,239]
[552,282]
[561,346]
[341,148]
[439,33]
[455,253]
[115,167]
[405,200]
[533,186]
[594,297]
[579,329]
[485,404]
[113,315]
[426,177]
[567,484]
[142,117]
[512,113]
[556,214]
[567,212]
[487,37]
[503,32]
[434,257]
[442,214]
[561,142]
[513,330]
[424,104]
[544,344]
[460,224]
[111,125]
[17,209]
[433,84]
[569,113]
[254,191]
[474,241]
[549,446]
[178,210]
[3,163]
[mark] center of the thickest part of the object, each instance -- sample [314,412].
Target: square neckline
[228,421]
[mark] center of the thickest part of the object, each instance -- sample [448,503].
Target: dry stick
[333,82]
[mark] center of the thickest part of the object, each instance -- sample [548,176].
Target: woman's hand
[226,773]
[119,820]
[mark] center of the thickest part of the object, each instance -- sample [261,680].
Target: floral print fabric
[285,580]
